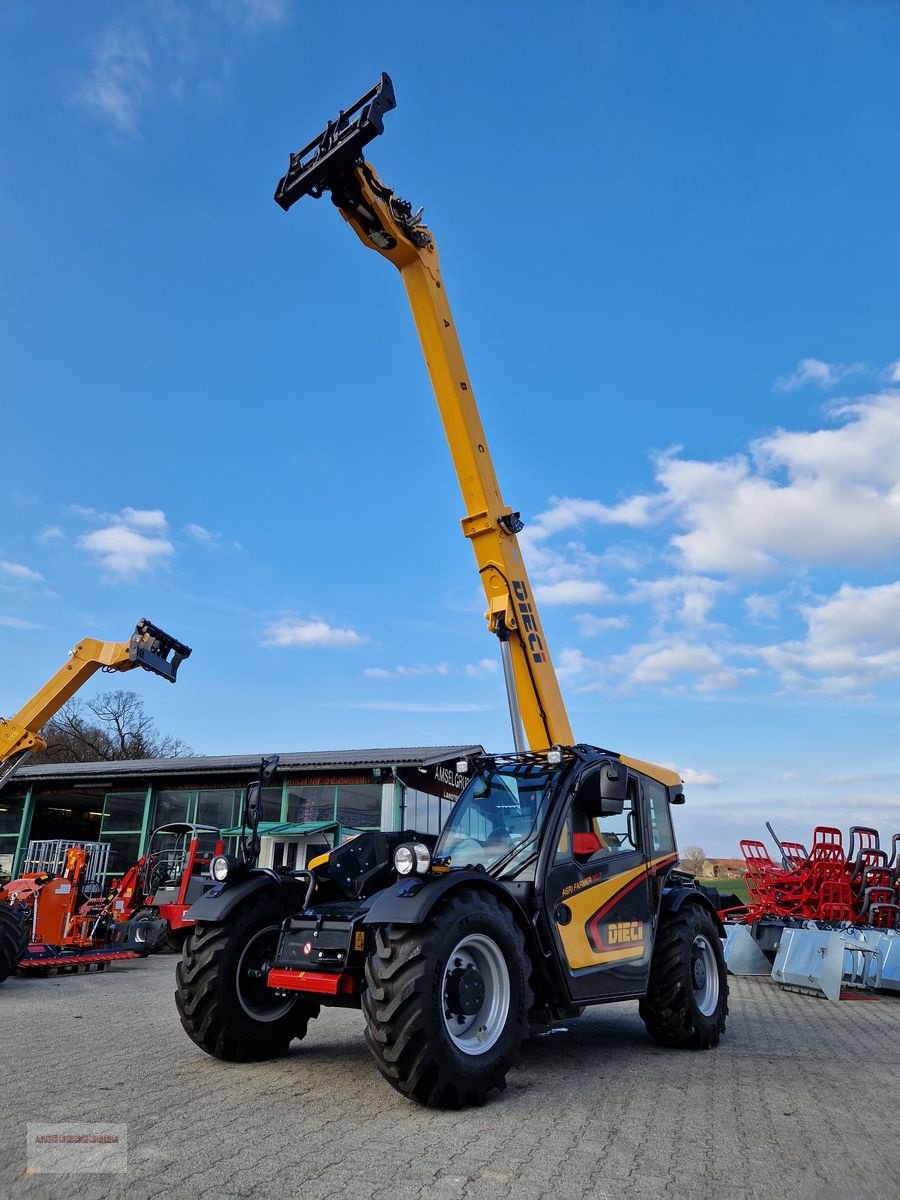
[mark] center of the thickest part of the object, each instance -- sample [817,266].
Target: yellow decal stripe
[583,905]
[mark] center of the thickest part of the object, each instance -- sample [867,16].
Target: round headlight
[219,868]
[404,860]
[422,856]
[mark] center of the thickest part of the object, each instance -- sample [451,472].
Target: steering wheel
[500,837]
[158,876]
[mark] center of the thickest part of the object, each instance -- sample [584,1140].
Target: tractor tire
[13,938]
[687,996]
[174,940]
[155,942]
[221,995]
[447,1001]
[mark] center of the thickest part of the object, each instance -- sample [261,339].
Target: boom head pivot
[338,148]
[150,648]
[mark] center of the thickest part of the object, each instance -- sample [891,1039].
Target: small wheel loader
[552,885]
[156,893]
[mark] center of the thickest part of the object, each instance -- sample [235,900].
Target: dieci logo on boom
[529,622]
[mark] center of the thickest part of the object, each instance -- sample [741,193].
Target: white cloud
[762,610]
[852,642]
[309,634]
[419,671]
[255,14]
[199,534]
[17,623]
[52,533]
[178,52]
[893,372]
[131,544]
[572,664]
[695,778]
[831,496]
[484,667]
[827,496]
[812,371]
[19,572]
[570,513]
[700,778]
[125,553]
[687,599]
[673,663]
[590,626]
[572,591]
[145,518]
[676,662]
[119,79]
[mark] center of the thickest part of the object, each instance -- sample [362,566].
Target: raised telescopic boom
[149,647]
[333,162]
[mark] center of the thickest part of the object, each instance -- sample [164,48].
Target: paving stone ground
[798,1101]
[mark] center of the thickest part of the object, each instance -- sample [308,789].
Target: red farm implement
[859,886]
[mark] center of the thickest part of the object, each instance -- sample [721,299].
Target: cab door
[598,895]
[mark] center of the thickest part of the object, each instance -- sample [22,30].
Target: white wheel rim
[704,975]
[476,1032]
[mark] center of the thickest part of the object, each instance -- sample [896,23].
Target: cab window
[662,839]
[588,837]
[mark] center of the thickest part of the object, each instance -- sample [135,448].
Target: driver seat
[585,844]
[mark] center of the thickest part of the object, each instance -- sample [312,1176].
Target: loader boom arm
[385,223]
[149,647]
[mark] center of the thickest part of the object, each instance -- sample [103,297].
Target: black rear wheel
[447,1001]
[13,938]
[687,997]
[148,931]
[221,995]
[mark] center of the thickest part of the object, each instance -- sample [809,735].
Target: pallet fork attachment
[150,648]
[312,170]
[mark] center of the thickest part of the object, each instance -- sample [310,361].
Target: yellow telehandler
[550,887]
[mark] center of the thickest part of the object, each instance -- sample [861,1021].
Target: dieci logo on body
[529,622]
[625,933]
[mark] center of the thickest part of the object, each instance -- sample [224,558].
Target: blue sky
[669,235]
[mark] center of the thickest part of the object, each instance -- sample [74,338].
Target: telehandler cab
[550,887]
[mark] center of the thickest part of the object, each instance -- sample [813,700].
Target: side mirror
[603,790]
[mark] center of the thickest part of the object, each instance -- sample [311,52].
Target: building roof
[231,764]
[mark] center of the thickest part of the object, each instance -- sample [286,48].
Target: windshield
[497,819]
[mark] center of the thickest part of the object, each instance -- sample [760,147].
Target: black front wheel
[447,1002]
[148,931]
[14,929]
[221,994]
[687,997]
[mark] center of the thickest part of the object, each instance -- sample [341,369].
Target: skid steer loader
[550,887]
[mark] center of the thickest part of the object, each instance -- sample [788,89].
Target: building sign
[440,779]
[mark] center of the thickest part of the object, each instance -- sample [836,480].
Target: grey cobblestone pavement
[799,1100]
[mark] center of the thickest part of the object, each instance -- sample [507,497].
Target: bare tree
[692,859]
[112,726]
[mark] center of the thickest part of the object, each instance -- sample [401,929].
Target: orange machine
[70,924]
